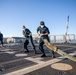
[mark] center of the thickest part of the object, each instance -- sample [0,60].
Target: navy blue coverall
[28,39]
[1,38]
[41,42]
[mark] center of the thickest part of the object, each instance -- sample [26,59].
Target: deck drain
[62,73]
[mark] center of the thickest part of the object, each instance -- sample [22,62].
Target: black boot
[53,54]
[43,55]
[27,51]
[35,50]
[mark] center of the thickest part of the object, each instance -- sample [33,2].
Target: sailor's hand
[41,35]
[30,35]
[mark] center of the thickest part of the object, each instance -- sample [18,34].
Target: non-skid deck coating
[13,61]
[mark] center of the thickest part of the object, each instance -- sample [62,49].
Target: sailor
[28,39]
[1,39]
[43,32]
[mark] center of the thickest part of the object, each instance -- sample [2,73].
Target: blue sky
[15,13]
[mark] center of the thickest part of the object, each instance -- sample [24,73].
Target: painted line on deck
[36,60]
[33,68]
[19,59]
[36,67]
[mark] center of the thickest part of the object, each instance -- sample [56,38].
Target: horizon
[38,36]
